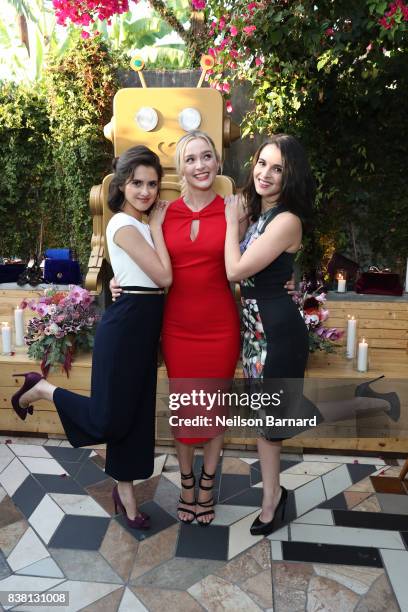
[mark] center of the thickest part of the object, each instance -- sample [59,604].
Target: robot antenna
[137,64]
[206,63]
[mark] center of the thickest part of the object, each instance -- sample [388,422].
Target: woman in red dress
[200,335]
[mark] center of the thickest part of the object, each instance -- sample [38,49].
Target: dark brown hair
[298,186]
[124,168]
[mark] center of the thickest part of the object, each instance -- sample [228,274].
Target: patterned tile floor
[345,547]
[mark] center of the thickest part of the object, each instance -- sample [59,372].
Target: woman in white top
[121,408]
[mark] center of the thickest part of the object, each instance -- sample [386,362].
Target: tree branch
[169,16]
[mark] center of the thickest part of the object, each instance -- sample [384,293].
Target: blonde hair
[181,150]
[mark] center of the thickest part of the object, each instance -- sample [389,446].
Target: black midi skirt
[121,409]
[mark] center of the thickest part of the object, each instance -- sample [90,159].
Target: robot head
[158,117]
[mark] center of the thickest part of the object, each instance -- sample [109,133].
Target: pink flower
[42,309]
[324,315]
[258,61]
[85,34]
[198,5]
[329,32]
[249,30]
[369,47]
[226,87]
[228,106]
[332,333]
[234,31]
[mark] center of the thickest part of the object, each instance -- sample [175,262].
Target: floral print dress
[254,348]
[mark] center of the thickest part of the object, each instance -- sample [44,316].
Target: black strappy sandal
[208,504]
[181,500]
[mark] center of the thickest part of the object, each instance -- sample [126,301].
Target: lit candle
[6,338]
[362,357]
[351,337]
[341,284]
[19,326]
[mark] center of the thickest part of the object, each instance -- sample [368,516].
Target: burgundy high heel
[118,502]
[139,522]
[30,380]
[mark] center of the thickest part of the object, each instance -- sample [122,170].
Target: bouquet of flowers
[65,323]
[312,308]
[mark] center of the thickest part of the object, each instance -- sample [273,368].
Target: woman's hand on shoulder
[115,288]
[232,209]
[242,207]
[158,214]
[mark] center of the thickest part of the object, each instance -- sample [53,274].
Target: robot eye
[189,119]
[146,118]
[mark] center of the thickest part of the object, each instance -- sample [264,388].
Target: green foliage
[80,89]
[319,344]
[329,73]
[24,149]
[53,151]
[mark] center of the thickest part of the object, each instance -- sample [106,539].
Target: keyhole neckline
[196,213]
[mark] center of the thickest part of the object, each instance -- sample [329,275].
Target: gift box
[60,268]
[62,272]
[9,273]
[58,254]
[379,283]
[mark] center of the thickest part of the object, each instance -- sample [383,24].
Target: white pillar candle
[362,356]
[19,326]
[341,284]
[6,338]
[351,337]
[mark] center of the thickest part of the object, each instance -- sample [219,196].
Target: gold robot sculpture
[157,117]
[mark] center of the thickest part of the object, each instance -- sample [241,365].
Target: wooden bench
[393,362]
[381,320]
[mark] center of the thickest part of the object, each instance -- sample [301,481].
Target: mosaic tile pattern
[343,547]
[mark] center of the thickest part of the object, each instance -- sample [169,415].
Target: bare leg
[212,450]
[127,496]
[185,455]
[269,456]
[340,410]
[42,390]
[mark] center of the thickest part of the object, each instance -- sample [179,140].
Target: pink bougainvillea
[249,30]
[86,12]
[397,8]
[198,5]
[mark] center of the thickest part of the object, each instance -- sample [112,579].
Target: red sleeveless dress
[200,334]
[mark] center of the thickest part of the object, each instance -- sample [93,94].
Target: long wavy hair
[298,186]
[181,150]
[124,167]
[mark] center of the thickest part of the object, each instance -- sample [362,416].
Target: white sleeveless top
[126,271]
